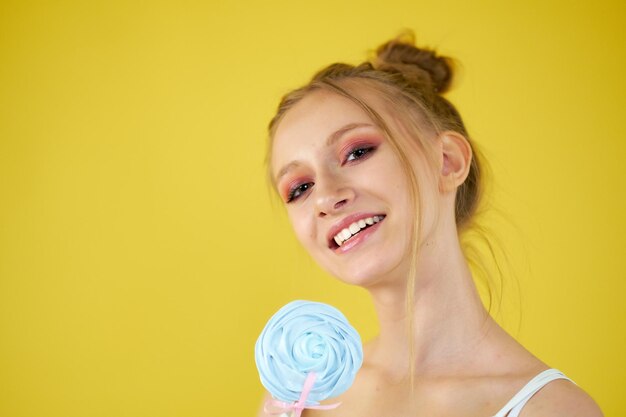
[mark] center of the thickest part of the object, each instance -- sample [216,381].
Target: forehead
[306,126]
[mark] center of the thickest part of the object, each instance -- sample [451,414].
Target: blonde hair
[411,82]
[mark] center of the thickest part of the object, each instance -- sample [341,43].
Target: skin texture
[466,364]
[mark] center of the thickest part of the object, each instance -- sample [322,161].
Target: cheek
[390,184]
[302,228]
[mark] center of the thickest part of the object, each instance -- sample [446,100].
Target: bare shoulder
[561,398]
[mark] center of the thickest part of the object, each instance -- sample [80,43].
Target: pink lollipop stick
[279,407]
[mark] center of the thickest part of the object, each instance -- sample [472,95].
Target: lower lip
[358,239]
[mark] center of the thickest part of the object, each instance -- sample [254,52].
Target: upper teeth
[355,228]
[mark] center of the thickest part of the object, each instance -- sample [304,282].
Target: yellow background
[141,255]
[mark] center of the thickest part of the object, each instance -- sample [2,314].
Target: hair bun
[401,54]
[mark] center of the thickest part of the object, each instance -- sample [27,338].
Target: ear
[456,158]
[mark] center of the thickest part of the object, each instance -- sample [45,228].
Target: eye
[359,153]
[297,191]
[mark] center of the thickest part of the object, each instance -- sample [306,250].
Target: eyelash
[299,189]
[366,151]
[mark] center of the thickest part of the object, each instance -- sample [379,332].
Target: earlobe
[456,158]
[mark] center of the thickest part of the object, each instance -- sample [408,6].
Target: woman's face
[346,193]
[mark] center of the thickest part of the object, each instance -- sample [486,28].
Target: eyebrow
[334,137]
[330,140]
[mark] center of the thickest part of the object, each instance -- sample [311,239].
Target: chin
[366,274]
[370,265]
[360,280]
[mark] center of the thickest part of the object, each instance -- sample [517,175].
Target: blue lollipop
[306,353]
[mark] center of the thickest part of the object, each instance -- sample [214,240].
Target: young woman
[379,177]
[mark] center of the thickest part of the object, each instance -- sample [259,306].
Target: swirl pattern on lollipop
[304,337]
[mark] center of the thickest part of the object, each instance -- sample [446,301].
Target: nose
[332,196]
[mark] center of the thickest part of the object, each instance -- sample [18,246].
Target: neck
[448,319]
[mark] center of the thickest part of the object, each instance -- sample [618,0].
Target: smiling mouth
[354,229]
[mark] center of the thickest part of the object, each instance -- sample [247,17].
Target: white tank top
[515,405]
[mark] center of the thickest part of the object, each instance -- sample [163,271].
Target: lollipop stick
[275,407]
[306,389]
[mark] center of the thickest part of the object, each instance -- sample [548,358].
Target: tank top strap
[519,400]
